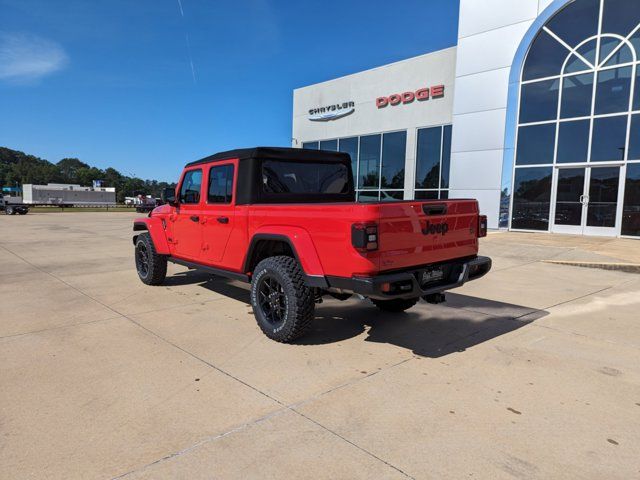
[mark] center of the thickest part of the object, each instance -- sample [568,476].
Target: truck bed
[409,235]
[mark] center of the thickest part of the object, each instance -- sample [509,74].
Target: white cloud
[25,57]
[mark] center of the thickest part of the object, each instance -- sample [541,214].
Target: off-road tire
[299,302]
[156,265]
[396,304]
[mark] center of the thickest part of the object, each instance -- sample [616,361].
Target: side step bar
[243,277]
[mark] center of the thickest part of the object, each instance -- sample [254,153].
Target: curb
[620,267]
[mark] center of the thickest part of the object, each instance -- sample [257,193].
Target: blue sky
[147,85]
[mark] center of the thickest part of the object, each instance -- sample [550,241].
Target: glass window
[391,196]
[190,189]
[428,157]
[631,209]
[635,41]
[331,145]
[636,92]
[371,196]
[609,135]
[350,146]
[577,21]
[426,195]
[573,141]
[539,101]
[531,198]
[588,51]
[622,55]
[545,57]
[634,138]
[575,64]
[394,146]
[620,16]
[613,90]
[446,156]
[536,144]
[221,184]
[310,145]
[369,161]
[279,176]
[607,45]
[577,92]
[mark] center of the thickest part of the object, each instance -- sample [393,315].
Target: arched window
[578,122]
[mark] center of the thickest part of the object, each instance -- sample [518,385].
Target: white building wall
[489,34]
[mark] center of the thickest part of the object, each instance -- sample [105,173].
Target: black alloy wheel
[272,300]
[142,259]
[151,267]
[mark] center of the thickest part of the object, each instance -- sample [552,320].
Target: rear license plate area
[430,276]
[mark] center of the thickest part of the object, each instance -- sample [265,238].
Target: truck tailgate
[423,232]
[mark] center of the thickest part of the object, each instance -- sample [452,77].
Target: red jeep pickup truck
[286,220]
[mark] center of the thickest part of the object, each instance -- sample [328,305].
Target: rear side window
[221,184]
[190,189]
[282,177]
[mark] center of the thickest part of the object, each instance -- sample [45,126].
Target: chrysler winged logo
[435,228]
[331,112]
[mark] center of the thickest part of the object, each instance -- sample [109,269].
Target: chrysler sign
[331,112]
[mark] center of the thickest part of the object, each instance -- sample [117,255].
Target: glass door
[570,200]
[586,200]
[602,201]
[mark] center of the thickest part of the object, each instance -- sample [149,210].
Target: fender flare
[153,225]
[301,245]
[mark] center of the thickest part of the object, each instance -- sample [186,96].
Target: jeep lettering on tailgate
[435,228]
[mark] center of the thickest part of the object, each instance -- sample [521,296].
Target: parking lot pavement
[530,372]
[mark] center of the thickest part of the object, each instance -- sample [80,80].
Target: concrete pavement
[531,372]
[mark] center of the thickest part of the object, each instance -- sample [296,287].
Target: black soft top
[276,153]
[249,184]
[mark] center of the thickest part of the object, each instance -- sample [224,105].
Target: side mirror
[169,196]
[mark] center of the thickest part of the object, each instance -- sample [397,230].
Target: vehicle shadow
[223,286]
[427,330]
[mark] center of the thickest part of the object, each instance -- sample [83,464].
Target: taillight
[364,237]
[482,226]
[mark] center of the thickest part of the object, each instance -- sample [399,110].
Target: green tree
[69,168]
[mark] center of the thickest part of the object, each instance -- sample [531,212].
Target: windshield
[284,177]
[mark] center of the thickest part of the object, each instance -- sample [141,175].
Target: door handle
[195,218]
[223,219]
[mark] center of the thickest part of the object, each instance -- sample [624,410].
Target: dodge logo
[435,228]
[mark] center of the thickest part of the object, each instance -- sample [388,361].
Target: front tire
[151,267]
[395,305]
[282,304]
[9,211]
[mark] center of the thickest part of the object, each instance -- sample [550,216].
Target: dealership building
[535,112]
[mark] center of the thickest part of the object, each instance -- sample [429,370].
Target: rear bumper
[410,284]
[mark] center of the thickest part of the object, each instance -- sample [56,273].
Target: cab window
[221,184]
[190,189]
